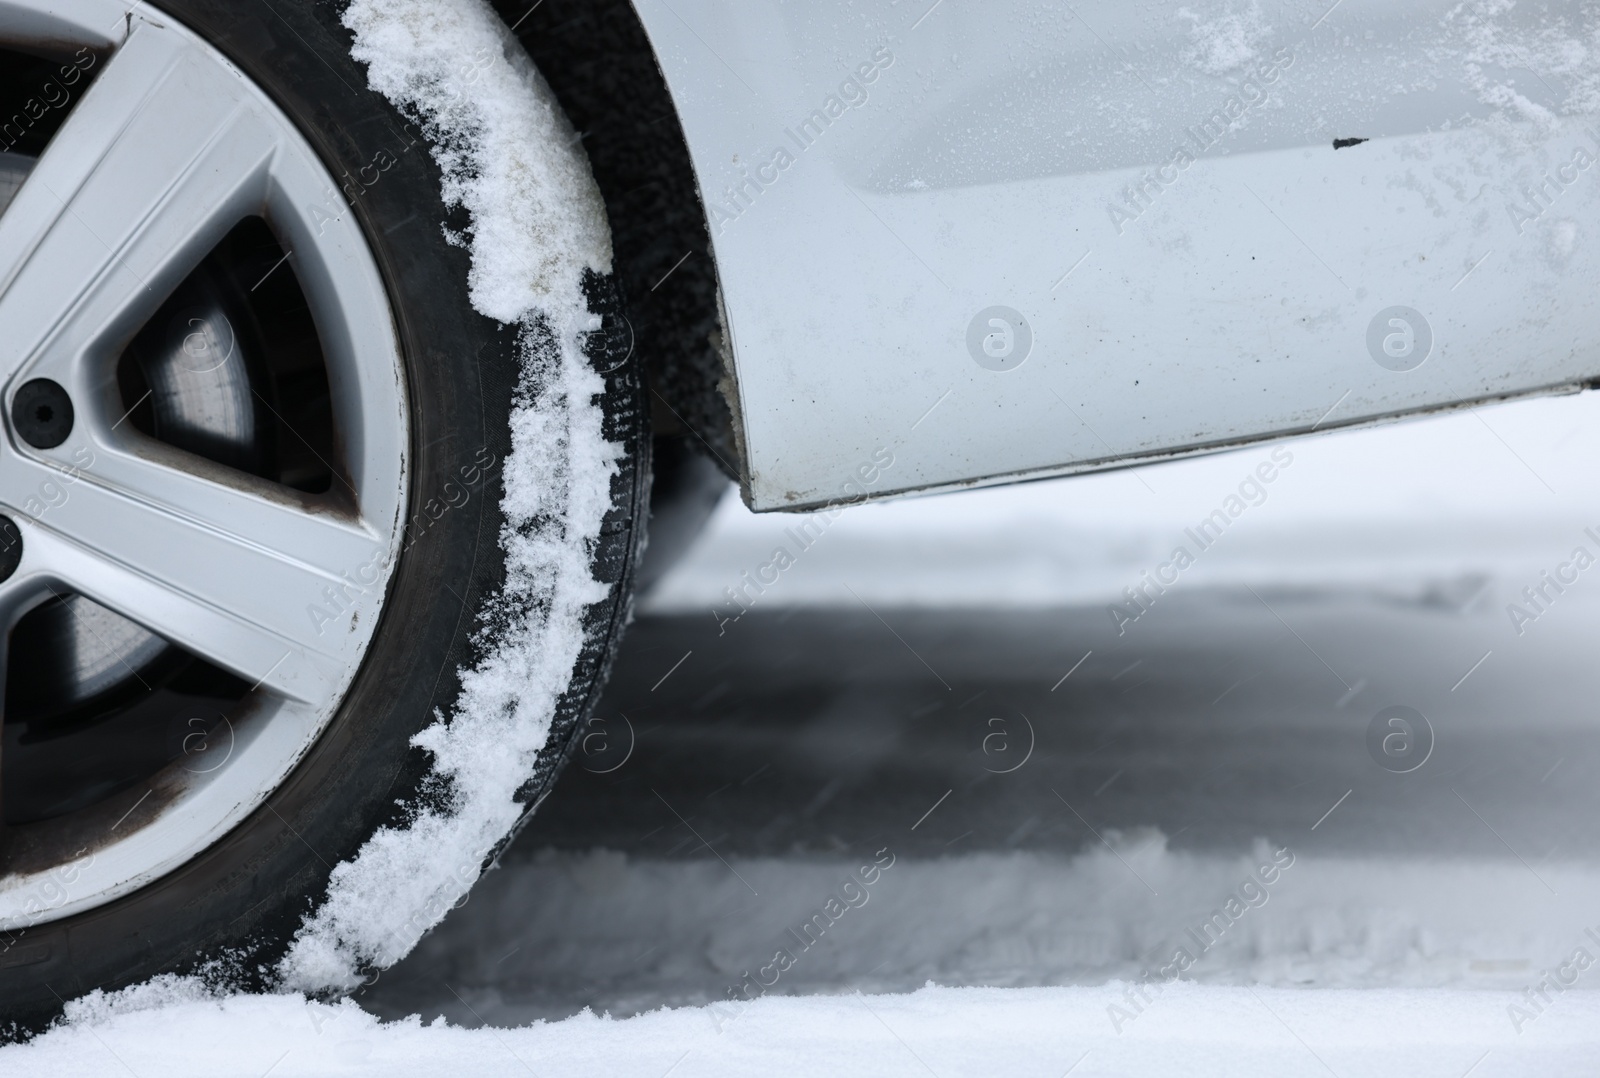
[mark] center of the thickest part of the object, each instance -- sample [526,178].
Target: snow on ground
[1187,1029]
[1444,975]
[622,932]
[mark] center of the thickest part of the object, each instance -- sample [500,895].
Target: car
[352,351]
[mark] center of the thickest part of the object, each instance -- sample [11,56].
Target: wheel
[309,569]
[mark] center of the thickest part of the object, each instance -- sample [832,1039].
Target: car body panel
[1152,193]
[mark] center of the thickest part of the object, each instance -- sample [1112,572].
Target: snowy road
[800,745]
[1070,804]
[933,752]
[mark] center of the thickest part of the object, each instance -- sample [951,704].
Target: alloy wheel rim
[168,149]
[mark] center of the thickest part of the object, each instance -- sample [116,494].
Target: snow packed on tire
[509,157]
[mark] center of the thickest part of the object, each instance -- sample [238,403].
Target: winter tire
[261,549]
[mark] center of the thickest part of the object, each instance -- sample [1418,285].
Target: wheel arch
[598,60]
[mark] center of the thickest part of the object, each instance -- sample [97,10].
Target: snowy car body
[961,243]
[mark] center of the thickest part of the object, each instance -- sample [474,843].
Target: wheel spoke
[269,590]
[152,196]
[166,151]
[159,159]
[17,594]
